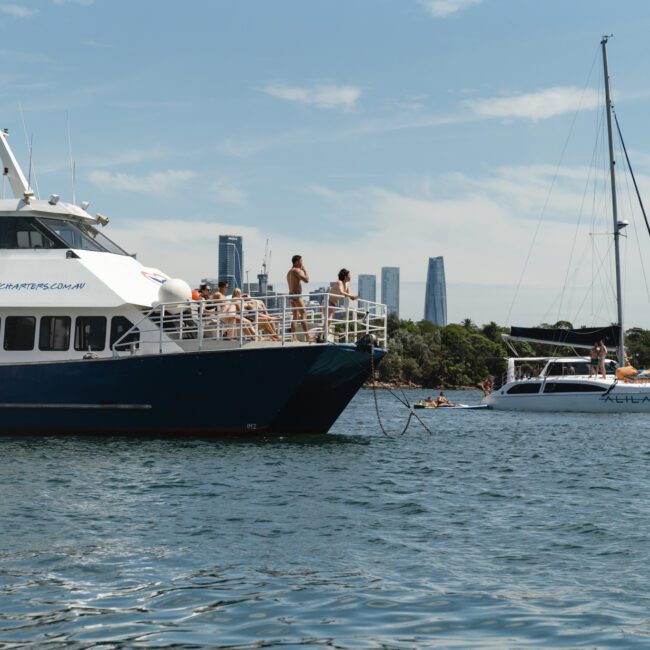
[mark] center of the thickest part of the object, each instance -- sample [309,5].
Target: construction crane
[263,276]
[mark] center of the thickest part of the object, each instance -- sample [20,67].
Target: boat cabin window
[528,388]
[25,232]
[82,236]
[572,387]
[119,326]
[561,368]
[90,333]
[54,334]
[72,234]
[19,332]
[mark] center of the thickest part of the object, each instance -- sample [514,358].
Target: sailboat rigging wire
[636,230]
[575,232]
[548,196]
[629,166]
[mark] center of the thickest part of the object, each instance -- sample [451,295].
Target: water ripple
[499,531]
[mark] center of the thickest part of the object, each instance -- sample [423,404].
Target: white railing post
[326,324]
[200,333]
[241,324]
[284,318]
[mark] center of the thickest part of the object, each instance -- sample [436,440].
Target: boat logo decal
[41,286]
[624,399]
[154,277]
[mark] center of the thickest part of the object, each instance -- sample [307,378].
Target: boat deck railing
[276,320]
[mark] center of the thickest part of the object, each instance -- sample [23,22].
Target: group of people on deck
[239,311]
[597,356]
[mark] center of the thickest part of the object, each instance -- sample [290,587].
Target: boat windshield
[82,236]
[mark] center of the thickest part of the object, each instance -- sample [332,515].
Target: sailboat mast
[612,174]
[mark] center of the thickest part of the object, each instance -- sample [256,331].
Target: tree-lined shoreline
[461,355]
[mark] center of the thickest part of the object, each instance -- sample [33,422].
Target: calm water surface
[500,530]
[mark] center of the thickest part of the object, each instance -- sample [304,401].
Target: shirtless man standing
[295,277]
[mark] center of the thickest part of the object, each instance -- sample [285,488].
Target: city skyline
[301,138]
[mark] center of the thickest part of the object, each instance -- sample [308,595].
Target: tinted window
[54,333]
[571,387]
[81,235]
[23,232]
[120,325]
[524,389]
[72,235]
[19,332]
[559,369]
[90,333]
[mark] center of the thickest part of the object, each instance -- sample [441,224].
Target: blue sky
[359,133]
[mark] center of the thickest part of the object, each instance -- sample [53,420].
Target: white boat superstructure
[101,343]
[564,384]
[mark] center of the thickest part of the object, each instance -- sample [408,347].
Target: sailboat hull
[604,396]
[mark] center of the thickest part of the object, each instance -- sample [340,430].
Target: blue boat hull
[300,389]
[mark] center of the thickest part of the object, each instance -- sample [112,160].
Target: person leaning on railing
[339,290]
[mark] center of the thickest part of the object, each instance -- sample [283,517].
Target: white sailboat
[565,384]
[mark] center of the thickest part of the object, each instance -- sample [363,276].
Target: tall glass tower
[231,260]
[368,287]
[435,299]
[390,288]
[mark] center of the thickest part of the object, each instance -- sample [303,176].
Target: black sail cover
[584,337]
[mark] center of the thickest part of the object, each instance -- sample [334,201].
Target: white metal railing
[273,320]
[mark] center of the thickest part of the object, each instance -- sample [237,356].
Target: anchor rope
[404,401]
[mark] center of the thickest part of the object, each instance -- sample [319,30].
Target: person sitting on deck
[228,308]
[255,313]
[204,291]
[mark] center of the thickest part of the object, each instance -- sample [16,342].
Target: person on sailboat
[602,355]
[593,360]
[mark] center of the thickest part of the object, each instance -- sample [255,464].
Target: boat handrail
[276,320]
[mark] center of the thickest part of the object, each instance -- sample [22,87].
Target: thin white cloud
[445,8]
[538,105]
[155,183]
[322,96]
[225,192]
[17,11]
[83,3]
[483,227]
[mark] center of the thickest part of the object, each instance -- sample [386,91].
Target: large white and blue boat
[95,342]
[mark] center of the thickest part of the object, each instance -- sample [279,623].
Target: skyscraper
[435,299]
[368,287]
[390,288]
[231,260]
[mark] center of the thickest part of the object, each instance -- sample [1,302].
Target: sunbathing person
[255,313]
[230,316]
